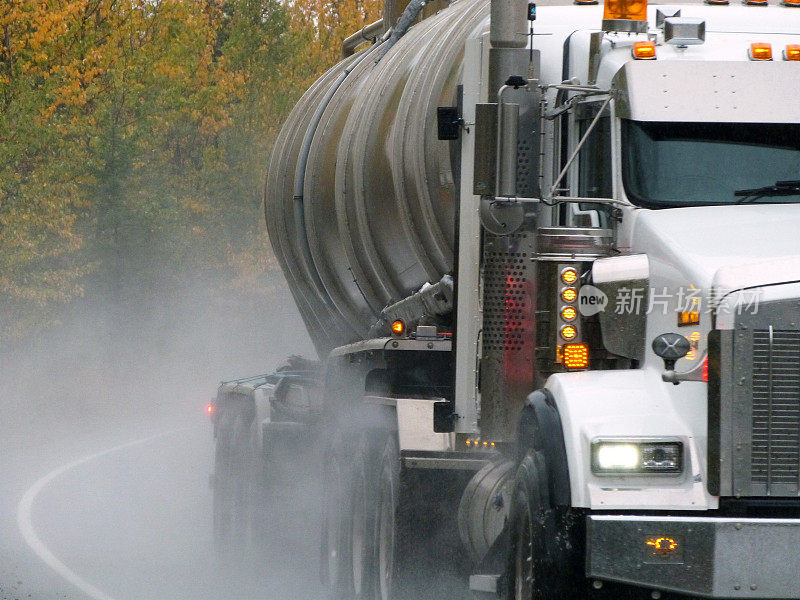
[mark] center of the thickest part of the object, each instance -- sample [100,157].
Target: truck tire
[235,475]
[336,545]
[364,502]
[388,536]
[545,551]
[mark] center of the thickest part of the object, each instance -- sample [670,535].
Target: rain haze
[138,273]
[110,409]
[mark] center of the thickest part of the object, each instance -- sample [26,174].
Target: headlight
[626,456]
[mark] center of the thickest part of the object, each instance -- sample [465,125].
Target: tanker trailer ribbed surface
[548,258]
[360,199]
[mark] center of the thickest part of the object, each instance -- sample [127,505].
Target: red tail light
[705,369]
[210,409]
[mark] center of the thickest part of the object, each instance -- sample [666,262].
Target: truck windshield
[666,164]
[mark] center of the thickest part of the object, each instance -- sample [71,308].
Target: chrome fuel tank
[378,193]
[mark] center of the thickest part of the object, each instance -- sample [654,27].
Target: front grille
[775,454]
[754,403]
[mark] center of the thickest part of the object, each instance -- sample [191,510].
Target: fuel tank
[374,218]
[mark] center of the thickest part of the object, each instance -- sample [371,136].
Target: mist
[135,521]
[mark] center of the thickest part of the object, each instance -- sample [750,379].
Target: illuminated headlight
[623,456]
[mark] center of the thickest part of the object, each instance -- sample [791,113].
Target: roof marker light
[717,2]
[760,51]
[618,14]
[795,3]
[644,50]
[755,2]
[792,51]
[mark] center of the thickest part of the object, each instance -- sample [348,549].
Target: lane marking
[25,523]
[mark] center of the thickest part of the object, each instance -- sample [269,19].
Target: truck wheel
[544,558]
[364,500]
[336,559]
[234,471]
[387,534]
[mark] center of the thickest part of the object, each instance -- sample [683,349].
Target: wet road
[126,514]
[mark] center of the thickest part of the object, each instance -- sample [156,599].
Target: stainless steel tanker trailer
[550,263]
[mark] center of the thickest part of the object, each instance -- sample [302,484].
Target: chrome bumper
[708,557]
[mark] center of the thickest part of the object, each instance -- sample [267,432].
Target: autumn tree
[133,141]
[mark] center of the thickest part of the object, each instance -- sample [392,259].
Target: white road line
[29,533]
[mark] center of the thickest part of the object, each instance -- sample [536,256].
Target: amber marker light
[688,317]
[568,332]
[662,545]
[398,328]
[576,356]
[634,10]
[760,51]
[794,3]
[569,295]
[569,276]
[644,50]
[568,313]
[792,51]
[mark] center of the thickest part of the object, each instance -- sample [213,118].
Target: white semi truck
[550,263]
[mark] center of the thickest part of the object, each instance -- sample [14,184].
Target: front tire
[544,562]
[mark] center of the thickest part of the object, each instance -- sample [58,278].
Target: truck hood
[720,247]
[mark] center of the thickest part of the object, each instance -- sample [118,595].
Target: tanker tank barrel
[361,195]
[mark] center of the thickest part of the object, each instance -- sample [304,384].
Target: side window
[594,167]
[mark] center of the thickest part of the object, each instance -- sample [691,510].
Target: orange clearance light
[688,317]
[632,10]
[569,295]
[792,51]
[662,545]
[568,313]
[568,332]
[791,2]
[398,327]
[576,356]
[644,50]
[569,276]
[760,51]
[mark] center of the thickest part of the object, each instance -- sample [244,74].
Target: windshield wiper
[781,188]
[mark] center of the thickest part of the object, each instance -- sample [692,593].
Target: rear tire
[387,534]
[336,563]
[235,476]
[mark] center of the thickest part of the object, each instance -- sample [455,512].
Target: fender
[540,429]
[633,403]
